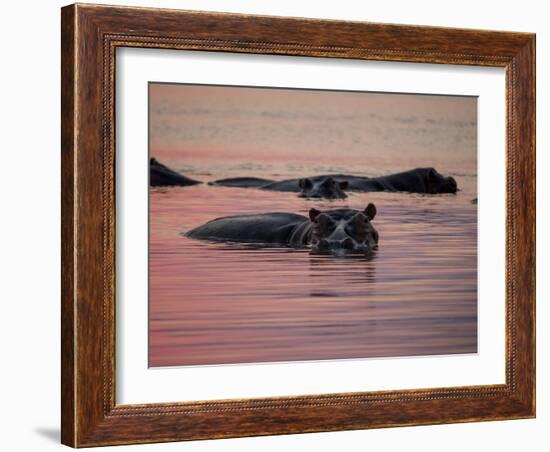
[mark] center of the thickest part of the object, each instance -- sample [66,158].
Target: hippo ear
[370,211]
[432,174]
[305,183]
[313,213]
[152,161]
[344,184]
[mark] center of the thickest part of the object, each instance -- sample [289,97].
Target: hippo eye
[325,223]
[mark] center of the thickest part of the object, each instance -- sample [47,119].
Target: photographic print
[294,224]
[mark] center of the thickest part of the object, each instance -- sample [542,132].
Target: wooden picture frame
[90,36]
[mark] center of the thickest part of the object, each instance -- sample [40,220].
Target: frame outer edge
[86,418]
[525,62]
[534,226]
[68,242]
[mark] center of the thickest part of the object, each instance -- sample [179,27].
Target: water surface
[213,303]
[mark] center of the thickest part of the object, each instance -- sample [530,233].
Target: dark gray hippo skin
[339,229]
[419,180]
[162,176]
[326,187]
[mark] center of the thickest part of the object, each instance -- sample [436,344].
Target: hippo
[162,176]
[332,186]
[327,188]
[317,187]
[329,231]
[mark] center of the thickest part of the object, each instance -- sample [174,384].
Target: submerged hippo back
[419,180]
[242,182]
[268,228]
[162,176]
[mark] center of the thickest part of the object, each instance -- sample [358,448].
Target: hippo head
[343,230]
[327,188]
[437,183]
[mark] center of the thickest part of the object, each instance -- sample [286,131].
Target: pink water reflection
[216,303]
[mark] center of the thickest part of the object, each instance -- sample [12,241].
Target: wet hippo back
[242,182]
[290,185]
[162,176]
[268,228]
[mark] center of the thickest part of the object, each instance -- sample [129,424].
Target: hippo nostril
[347,243]
[323,243]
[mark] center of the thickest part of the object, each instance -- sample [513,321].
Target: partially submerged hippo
[161,176]
[331,230]
[326,187]
[331,186]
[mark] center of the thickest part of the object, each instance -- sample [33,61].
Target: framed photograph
[282,225]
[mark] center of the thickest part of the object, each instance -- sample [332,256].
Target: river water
[222,303]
